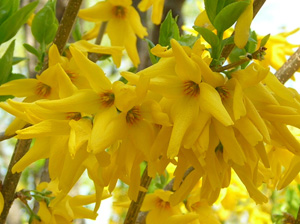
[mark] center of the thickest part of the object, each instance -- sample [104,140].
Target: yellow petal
[184,113]
[210,102]
[290,174]
[136,24]
[102,11]
[19,87]
[96,77]
[185,67]
[242,26]
[44,129]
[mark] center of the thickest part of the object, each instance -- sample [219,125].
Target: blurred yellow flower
[122,19]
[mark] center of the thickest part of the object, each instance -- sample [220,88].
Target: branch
[22,146]
[287,70]
[4,137]
[66,24]
[11,180]
[135,207]
[255,55]
[257,4]
[94,56]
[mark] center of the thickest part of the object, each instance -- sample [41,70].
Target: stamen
[107,99]
[191,88]
[223,92]
[73,116]
[162,204]
[133,115]
[72,75]
[43,90]
[119,12]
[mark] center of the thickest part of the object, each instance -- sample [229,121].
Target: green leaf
[14,76]
[229,15]
[17,60]
[6,63]
[11,25]
[227,41]
[168,30]
[6,8]
[208,35]
[32,50]
[154,59]
[252,42]
[211,9]
[188,40]
[44,24]
[264,40]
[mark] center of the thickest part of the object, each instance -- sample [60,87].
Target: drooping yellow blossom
[242,27]
[161,211]
[67,210]
[157,9]
[122,19]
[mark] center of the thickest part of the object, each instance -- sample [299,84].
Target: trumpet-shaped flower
[122,18]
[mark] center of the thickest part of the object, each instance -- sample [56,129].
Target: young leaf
[264,40]
[44,24]
[6,63]
[188,40]
[32,50]
[252,42]
[211,9]
[168,30]
[17,60]
[208,36]
[11,25]
[229,15]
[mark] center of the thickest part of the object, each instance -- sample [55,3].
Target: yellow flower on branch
[123,25]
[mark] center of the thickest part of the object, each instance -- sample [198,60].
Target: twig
[94,56]
[135,207]
[22,146]
[66,24]
[11,180]
[256,55]
[4,137]
[287,70]
[257,4]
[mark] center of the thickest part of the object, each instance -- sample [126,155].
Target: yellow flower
[122,19]
[157,10]
[68,209]
[162,212]
[179,80]
[242,27]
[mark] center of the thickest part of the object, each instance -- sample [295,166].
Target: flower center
[72,75]
[43,90]
[223,92]
[119,12]
[133,115]
[107,99]
[162,204]
[191,88]
[73,116]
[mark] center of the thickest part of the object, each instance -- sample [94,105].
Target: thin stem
[11,180]
[22,146]
[287,70]
[94,56]
[257,4]
[135,207]
[4,137]
[256,55]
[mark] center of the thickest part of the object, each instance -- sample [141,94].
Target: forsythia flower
[242,27]
[121,18]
